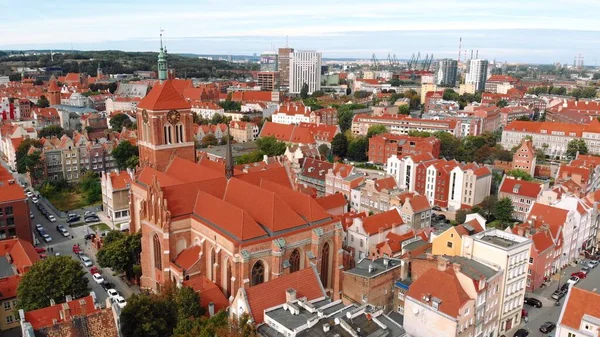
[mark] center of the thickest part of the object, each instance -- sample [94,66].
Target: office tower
[305,67]
[477,74]
[283,65]
[445,72]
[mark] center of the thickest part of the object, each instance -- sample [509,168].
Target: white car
[86,260]
[98,278]
[35,200]
[120,301]
[29,194]
[112,293]
[64,233]
[51,218]
[31,216]
[88,213]
[573,280]
[592,264]
[47,238]
[39,227]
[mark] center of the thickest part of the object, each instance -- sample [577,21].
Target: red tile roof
[332,201]
[542,241]
[524,188]
[301,203]
[418,203]
[164,96]
[188,257]
[120,180]
[553,216]
[580,302]
[443,285]
[382,221]
[44,317]
[209,293]
[306,282]
[8,286]
[388,183]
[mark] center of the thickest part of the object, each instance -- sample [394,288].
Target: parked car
[74,219]
[29,194]
[112,293]
[47,237]
[95,270]
[564,287]
[88,213]
[441,217]
[40,250]
[559,294]
[579,274]
[573,280]
[592,264]
[98,278]
[436,208]
[120,301]
[533,302]
[31,216]
[39,227]
[86,260]
[92,219]
[547,327]
[51,218]
[522,333]
[35,200]
[64,232]
[76,249]
[585,269]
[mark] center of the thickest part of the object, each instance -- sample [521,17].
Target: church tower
[53,92]
[165,127]
[162,62]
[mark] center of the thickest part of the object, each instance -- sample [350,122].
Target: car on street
[559,294]
[95,270]
[92,219]
[29,194]
[40,250]
[39,227]
[35,200]
[522,333]
[98,278]
[86,260]
[89,236]
[112,293]
[436,208]
[565,286]
[547,327]
[64,232]
[120,301]
[47,237]
[440,217]
[76,249]
[534,302]
[579,274]
[88,213]
[592,264]
[585,269]
[573,280]
[51,218]
[74,219]
[31,216]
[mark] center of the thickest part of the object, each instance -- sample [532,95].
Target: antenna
[161,42]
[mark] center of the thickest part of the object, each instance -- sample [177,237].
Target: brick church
[209,220]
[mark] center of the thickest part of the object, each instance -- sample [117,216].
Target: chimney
[66,312]
[442,263]
[456,267]
[211,309]
[371,268]
[290,295]
[69,298]
[52,302]
[386,262]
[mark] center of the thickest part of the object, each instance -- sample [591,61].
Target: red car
[76,249]
[43,256]
[40,250]
[579,274]
[95,270]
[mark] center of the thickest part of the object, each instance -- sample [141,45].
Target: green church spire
[162,61]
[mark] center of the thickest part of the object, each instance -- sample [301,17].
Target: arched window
[228,280]
[167,131]
[295,261]
[157,252]
[179,133]
[325,265]
[258,273]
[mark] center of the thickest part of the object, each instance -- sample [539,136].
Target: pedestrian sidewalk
[107,273]
[546,293]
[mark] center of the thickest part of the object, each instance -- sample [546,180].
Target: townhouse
[292,113]
[382,147]
[374,195]
[11,136]
[523,194]
[207,110]
[115,194]
[243,131]
[314,174]
[525,158]
[343,182]
[121,103]
[542,256]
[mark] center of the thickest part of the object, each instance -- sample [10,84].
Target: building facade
[477,74]
[115,194]
[445,72]
[382,147]
[305,68]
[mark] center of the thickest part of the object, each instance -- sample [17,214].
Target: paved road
[550,312]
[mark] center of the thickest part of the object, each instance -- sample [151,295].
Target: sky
[533,31]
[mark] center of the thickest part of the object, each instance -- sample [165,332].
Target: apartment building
[477,74]
[542,256]
[243,131]
[14,209]
[414,209]
[449,242]
[305,68]
[552,137]
[509,253]
[122,104]
[283,65]
[207,110]
[11,136]
[500,84]
[314,174]
[445,72]
[292,113]
[115,194]
[342,182]
[369,282]
[374,195]
[525,158]
[523,195]
[382,147]
[404,169]
[402,124]
[512,113]
[267,80]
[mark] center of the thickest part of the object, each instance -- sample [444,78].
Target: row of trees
[121,253]
[498,212]
[268,146]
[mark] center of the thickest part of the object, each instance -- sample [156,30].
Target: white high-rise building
[305,67]
[445,72]
[477,74]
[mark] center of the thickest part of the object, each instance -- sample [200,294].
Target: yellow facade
[448,243]
[425,88]
[8,315]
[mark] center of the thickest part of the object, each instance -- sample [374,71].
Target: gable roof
[301,203]
[443,285]
[164,96]
[332,201]
[306,282]
[188,257]
[44,317]
[388,183]
[579,303]
[523,188]
[209,293]
[382,221]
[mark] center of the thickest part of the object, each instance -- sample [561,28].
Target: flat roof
[6,269]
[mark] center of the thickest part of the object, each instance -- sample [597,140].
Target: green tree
[43,102]
[229,105]
[132,162]
[375,130]
[304,91]
[450,95]
[423,134]
[51,279]
[502,103]
[51,130]
[339,145]
[121,253]
[209,140]
[23,159]
[518,173]
[404,109]
[503,210]
[188,303]
[203,327]
[119,121]
[89,184]
[357,149]
[574,146]
[449,144]
[123,152]
[271,146]
[345,117]
[488,205]
[148,316]
[461,216]
[247,158]
[324,150]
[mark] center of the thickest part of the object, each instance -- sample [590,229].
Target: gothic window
[258,273]
[325,265]
[228,279]
[295,261]
[168,136]
[180,133]
[157,252]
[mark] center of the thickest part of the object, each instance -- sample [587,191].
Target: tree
[488,205]
[247,158]
[502,103]
[123,152]
[304,91]
[148,316]
[503,210]
[188,303]
[345,117]
[324,150]
[404,109]
[449,144]
[51,279]
[375,130]
[271,146]
[423,134]
[51,130]
[229,105]
[132,162]
[238,328]
[209,140]
[339,145]
[119,121]
[43,102]
[24,161]
[357,149]
[121,252]
[461,216]
[524,118]
[90,185]
[518,173]
[576,146]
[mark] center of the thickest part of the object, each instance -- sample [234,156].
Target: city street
[549,311]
